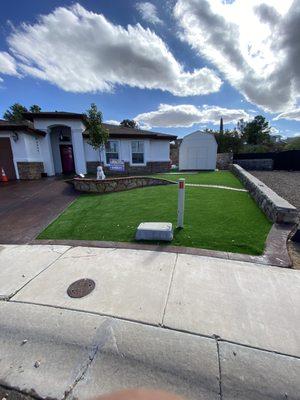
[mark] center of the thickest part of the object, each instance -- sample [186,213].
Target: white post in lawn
[181,194]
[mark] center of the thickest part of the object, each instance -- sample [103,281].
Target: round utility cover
[81,288]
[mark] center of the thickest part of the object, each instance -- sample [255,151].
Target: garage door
[6,158]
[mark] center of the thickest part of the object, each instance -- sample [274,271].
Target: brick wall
[30,170]
[149,168]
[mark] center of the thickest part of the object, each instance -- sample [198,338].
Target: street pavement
[201,327]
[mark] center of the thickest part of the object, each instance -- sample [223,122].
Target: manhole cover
[81,288]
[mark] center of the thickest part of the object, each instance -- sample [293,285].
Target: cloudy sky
[174,66]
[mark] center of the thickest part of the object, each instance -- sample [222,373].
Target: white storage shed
[198,151]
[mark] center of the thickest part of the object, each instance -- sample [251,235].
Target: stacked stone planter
[30,170]
[275,207]
[116,184]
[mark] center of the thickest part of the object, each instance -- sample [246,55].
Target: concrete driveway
[27,207]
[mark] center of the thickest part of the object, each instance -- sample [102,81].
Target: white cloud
[81,51]
[112,122]
[7,64]
[148,12]
[292,115]
[254,44]
[274,130]
[186,115]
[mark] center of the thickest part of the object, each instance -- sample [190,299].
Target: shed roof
[200,134]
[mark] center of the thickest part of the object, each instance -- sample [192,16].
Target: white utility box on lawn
[154,231]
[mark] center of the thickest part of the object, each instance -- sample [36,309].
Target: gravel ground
[284,183]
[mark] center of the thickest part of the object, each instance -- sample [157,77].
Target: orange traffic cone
[3,177]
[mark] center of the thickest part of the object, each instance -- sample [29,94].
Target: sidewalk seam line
[96,347]
[212,336]
[169,290]
[220,370]
[27,283]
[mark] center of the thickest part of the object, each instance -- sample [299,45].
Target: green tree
[228,140]
[35,108]
[293,144]
[15,113]
[129,123]
[257,131]
[241,126]
[98,135]
[221,126]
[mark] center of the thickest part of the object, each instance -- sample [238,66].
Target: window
[112,150]
[137,152]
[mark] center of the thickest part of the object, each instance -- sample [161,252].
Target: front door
[6,158]
[67,159]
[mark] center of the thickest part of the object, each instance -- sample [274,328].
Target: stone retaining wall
[224,160]
[30,170]
[263,164]
[275,207]
[174,151]
[116,184]
[150,168]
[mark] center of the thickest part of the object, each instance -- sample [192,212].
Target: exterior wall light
[15,136]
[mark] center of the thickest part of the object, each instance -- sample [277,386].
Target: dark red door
[67,159]
[6,158]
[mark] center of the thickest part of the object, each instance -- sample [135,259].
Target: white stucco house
[51,143]
[198,151]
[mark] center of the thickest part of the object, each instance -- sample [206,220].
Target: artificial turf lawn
[223,178]
[216,219]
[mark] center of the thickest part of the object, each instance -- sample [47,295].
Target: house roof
[119,132]
[53,114]
[24,126]
[115,131]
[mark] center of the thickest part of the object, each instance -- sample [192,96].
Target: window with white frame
[137,152]
[112,150]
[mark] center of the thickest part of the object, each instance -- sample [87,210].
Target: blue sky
[175,66]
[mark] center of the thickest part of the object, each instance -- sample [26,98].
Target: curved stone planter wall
[275,207]
[117,184]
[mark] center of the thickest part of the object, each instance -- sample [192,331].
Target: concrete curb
[276,253]
[75,355]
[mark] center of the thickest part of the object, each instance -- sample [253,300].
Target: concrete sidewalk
[202,327]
